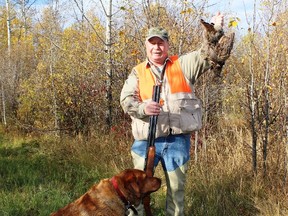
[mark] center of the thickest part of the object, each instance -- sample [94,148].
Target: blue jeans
[173,152]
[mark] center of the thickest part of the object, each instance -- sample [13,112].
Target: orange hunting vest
[173,72]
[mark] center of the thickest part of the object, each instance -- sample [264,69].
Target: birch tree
[252,98]
[3,95]
[109,67]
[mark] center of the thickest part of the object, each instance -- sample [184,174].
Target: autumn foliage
[55,78]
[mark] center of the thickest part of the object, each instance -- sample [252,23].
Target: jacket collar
[149,63]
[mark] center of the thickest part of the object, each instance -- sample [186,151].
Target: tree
[262,66]
[3,96]
[109,69]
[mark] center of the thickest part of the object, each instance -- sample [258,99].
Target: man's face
[157,50]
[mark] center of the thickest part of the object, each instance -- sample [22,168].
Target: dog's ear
[128,176]
[134,187]
[131,182]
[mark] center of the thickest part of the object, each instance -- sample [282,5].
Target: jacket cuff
[141,110]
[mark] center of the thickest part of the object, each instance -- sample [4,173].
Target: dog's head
[135,184]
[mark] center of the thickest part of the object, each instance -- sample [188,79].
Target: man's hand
[152,108]
[218,20]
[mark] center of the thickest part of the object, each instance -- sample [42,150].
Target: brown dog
[113,197]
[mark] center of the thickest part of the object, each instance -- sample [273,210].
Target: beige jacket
[181,113]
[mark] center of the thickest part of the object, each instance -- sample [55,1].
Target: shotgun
[150,152]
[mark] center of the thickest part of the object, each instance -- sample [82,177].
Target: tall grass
[40,175]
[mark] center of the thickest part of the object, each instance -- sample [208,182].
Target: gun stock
[149,171]
[147,207]
[150,161]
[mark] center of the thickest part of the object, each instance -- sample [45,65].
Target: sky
[241,9]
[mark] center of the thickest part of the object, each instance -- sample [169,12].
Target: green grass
[35,183]
[38,176]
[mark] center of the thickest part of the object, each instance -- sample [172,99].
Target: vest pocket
[191,115]
[140,128]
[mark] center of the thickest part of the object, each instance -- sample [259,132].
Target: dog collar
[128,205]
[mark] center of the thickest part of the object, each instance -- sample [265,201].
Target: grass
[35,183]
[221,196]
[40,175]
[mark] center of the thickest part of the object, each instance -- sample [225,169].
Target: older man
[179,110]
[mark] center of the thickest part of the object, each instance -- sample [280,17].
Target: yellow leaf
[269,88]
[121,33]
[134,52]
[189,10]
[232,23]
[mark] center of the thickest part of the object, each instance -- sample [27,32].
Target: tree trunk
[3,96]
[286,146]
[54,97]
[252,101]
[109,67]
[3,104]
[266,109]
[52,58]
[8,28]
[181,39]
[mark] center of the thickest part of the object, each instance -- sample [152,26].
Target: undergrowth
[40,175]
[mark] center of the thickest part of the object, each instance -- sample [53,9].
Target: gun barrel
[150,152]
[152,123]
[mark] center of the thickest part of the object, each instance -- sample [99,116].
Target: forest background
[62,126]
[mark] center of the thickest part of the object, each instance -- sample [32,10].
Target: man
[179,111]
